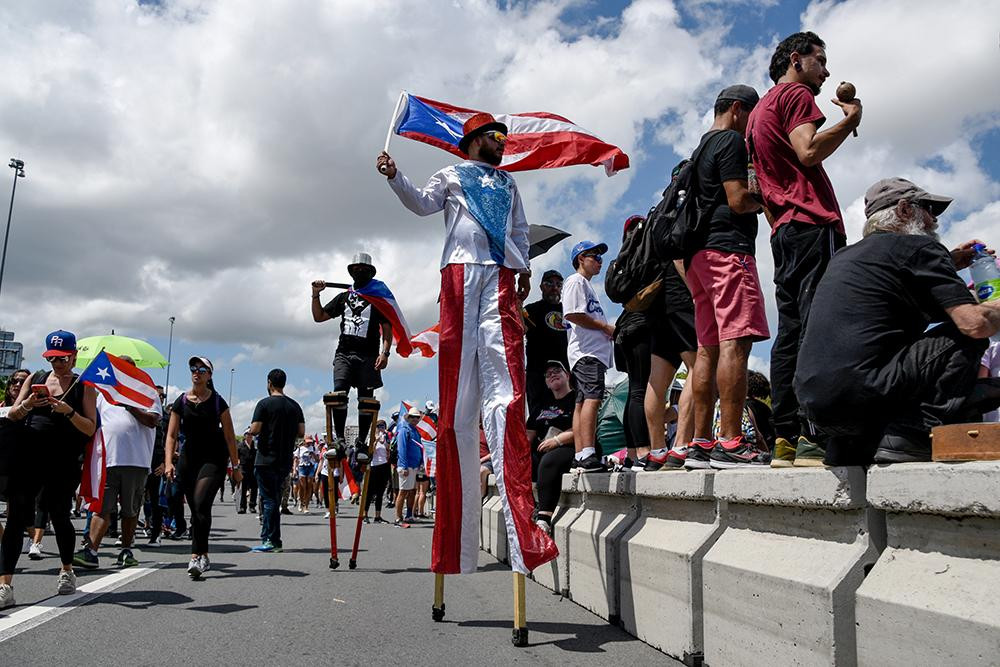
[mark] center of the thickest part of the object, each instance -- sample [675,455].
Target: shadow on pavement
[224,608]
[585,638]
[143,599]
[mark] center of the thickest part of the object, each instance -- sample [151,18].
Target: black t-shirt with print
[360,324]
[724,158]
[558,413]
[545,334]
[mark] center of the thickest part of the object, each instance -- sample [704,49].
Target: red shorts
[728,303]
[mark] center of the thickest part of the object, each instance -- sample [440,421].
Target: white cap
[414,412]
[429,405]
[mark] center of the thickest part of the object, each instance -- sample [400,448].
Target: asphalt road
[253,609]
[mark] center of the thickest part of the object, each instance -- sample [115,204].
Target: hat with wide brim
[481,122]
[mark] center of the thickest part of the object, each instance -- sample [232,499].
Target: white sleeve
[519,229]
[422,202]
[574,298]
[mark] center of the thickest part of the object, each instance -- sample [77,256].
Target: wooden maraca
[845,93]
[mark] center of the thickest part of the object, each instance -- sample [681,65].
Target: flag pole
[392,126]
[77,378]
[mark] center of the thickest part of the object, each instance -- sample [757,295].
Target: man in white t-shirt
[589,349]
[129,435]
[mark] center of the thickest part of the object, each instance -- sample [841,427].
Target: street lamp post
[170,349]
[18,167]
[232,373]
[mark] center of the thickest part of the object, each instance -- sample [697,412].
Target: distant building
[11,354]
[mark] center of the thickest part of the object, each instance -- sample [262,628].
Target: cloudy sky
[207,159]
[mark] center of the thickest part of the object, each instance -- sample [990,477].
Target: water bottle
[985,274]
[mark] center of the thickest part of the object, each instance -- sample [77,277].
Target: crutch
[370,407]
[333,401]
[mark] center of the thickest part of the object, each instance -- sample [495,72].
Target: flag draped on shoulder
[94,471]
[535,140]
[379,296]
[426,342]
[120,382]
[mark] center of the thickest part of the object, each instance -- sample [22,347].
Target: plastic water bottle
[985,274]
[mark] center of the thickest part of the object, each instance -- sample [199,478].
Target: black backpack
[677,227]
[637,271]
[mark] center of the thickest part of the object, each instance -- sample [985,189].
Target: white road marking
[25,619]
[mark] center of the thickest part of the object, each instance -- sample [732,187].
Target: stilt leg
[332,493]
[372,408]
[437,611]
[520,634]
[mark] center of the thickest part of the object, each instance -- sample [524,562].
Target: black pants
[925,387]
[154,521]
[249,485]
[200,481]
[378,480]
[801,255]
[55,498]
[554,464]
[635,349]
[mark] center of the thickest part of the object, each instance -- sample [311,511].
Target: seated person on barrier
[871,375]
[552,429]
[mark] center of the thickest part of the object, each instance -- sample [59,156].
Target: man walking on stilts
[481,348]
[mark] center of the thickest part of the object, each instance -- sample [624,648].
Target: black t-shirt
[675,295]
[877,297]
[360,324]
[558,413]
[280,417]
[724,158]
[545,334]
[202,428]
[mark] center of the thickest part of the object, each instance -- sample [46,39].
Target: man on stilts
[481,352]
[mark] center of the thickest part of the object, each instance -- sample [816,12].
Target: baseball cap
[584,246]
[195,361]
[414,412]
[552,273]
[60,343]
[429,406]
[885,193]
[740,93]
[555,363]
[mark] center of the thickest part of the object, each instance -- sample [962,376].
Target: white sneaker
[6,596]
[194,567]
[205,565]
[67,582]
[35,551]
[326,516]
[118,542]
[154,542]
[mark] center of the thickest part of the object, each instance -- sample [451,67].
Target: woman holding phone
[202,415]
[60,416]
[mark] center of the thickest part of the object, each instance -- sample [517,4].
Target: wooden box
[966,442]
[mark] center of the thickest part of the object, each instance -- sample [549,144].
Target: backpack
[635,276]
[678,228]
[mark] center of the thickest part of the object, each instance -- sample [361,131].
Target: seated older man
[872,377]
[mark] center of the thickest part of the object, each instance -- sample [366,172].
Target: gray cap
[746,95]
[361,259]
[885,193]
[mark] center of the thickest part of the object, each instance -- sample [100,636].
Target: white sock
[585,452]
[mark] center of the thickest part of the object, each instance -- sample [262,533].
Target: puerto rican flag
[426,342]
[425,427]
[378,295]
[94,471]
[346,486]
[121,383]
[536,140]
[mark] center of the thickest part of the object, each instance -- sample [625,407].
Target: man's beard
[492,157]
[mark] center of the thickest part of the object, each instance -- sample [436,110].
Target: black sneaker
[590,464]
[361,451]
[737,453]
[640,464]
[699,455]
[902,449]
[86,559]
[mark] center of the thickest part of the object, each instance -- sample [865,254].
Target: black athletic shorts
[355,370]
[589,374]
[673,333]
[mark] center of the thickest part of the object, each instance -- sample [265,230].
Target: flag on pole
[379,296]
[426,342]
[120,382]
[346,485]
[425,427]
[535,140]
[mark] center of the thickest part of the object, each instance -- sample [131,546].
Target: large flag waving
[427,341]
[425,427]
[535,140]
[378,295]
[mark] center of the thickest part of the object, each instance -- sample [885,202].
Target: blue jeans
[269,482]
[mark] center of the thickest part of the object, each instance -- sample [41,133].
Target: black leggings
[154,521]
[554,464]
[54,499]
[200,482]
[637,362]
[379,478]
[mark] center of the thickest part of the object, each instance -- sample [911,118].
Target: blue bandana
[488,195]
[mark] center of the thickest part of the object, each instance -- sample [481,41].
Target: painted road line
[25,619]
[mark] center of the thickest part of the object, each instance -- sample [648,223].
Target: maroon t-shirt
[791,190]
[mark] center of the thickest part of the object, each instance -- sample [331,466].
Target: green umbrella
[144,354]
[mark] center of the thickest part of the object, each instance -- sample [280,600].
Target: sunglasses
[199,369]
[552,283]
[596,258]
[61,360]
[497,136]
[553,373]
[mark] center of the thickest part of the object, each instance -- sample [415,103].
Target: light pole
[232,373]
[170,349]
[18,167]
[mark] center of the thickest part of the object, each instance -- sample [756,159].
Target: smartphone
[40,390]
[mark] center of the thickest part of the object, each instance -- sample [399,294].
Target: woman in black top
[57,427]
[202,417]
[553,424]
[8,432]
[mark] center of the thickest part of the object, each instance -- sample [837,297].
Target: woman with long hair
[59,416]
[202,416]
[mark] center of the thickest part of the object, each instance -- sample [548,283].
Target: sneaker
[640,464]
[590,464]
[676,458]
[699,455]
[126,558]
[400,524]
[327,515]
[253,510]
[154,542]
[35,551]
[737,453]
[86,559]
[66,584]
[379,519]
[241,511]
[545,524]
[6,596]
[194,567]
[205,564]
[119,543]
[178,534]
[900,449]
[783,455]
[408,518]
[808,454]
[286,511]
[361,451]
[655,460]
[276,548]
[265,547]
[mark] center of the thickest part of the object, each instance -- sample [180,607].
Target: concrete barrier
[933,598]
[609,509]
[495,526]
[779,583]
[661,560]
[555,574]
[484,517]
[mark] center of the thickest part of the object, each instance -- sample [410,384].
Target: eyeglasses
[199,369]
[596,258]
[61,360]
[554,373]
[497,136]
